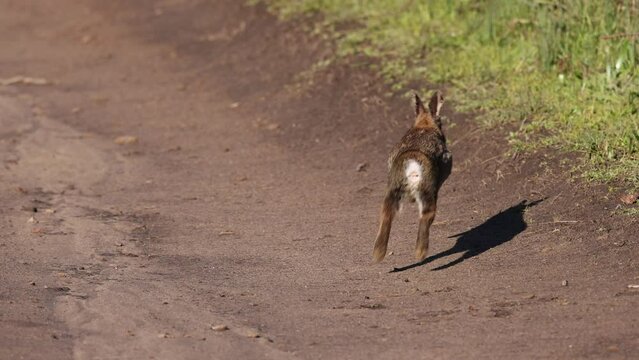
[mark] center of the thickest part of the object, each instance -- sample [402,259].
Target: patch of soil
[244,202]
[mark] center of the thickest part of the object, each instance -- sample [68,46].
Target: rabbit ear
[419,105]
[435,104]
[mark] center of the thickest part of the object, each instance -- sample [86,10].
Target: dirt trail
[240,204]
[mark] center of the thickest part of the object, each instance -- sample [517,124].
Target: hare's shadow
[493,232]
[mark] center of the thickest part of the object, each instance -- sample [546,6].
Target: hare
[418,166]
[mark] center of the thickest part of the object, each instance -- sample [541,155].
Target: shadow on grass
[493,232]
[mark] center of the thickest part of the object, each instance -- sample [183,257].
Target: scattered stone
[633,286]
[372,306]
[272,126]
[564,283]
[619,243]
[226,233]
[126,140]
[32,220]
[163,335]
[63,289]
[220,327]
[252,334]
[361,167]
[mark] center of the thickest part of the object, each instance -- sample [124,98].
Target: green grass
[563,72]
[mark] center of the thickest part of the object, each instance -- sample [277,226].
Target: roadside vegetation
[560,73]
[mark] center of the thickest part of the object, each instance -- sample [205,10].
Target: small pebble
[126,140]
[219,327]
[564,283]
[251,334]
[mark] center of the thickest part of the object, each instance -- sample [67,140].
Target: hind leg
[427,209]
[389,209]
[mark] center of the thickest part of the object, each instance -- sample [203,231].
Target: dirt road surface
[235,199]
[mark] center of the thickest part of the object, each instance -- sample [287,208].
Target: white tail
[413,174]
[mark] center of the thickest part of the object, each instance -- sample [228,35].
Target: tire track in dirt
[95,240]
[104,288]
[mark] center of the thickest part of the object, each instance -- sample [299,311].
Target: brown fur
[424,143]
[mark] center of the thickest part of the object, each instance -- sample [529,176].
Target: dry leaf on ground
[629,199]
